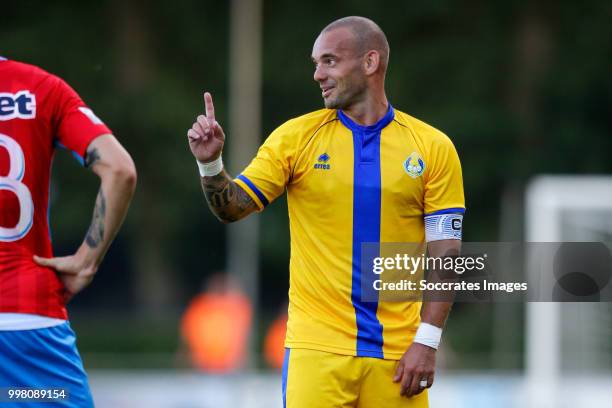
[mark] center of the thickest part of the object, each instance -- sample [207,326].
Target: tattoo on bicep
[92,157]
[226,199]
[95,234]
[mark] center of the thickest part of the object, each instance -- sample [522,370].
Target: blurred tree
[135,71]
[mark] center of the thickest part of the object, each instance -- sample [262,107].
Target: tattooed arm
[226,199]
[109,161]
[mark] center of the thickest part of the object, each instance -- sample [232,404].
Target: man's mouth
[326,91]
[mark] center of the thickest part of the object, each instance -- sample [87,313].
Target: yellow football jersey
[346,185]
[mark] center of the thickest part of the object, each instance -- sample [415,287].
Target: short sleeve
[268,174]
[444,200]
[76,124]
[444,183]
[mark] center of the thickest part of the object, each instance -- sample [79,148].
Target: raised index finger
[208,104]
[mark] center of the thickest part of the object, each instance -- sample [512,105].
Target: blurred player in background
[38,112]
[216,324]
[358,171]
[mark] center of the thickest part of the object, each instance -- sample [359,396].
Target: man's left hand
[72,270]
[417,364]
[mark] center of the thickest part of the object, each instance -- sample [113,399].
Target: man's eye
[326,62]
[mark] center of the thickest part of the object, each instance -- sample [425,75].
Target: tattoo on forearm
[91,157]
[226,199]
[95,234]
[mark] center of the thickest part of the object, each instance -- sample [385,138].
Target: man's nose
[319,74]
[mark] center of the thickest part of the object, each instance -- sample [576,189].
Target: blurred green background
[520,87]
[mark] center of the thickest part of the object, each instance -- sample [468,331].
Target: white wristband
[210,169]
[428,335]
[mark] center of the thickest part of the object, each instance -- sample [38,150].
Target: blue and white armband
[444,224]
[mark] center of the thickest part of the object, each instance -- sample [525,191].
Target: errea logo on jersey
[323,162]
[21,105]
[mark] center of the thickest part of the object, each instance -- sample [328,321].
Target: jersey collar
[352,125]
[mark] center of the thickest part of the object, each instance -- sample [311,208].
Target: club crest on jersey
[323,162]
[414,165]
[21,105]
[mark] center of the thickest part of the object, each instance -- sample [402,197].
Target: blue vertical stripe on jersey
[366,227]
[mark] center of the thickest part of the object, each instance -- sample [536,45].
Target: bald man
[356,172]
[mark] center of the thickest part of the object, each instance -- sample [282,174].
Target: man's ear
[371,62]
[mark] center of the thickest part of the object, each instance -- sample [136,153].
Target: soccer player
[38,112]
[357,171]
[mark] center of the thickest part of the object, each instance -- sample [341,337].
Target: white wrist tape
[210,169]
[428,335]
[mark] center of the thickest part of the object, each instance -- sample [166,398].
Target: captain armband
[443,226]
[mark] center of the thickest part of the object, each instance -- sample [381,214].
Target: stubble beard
[347,95]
